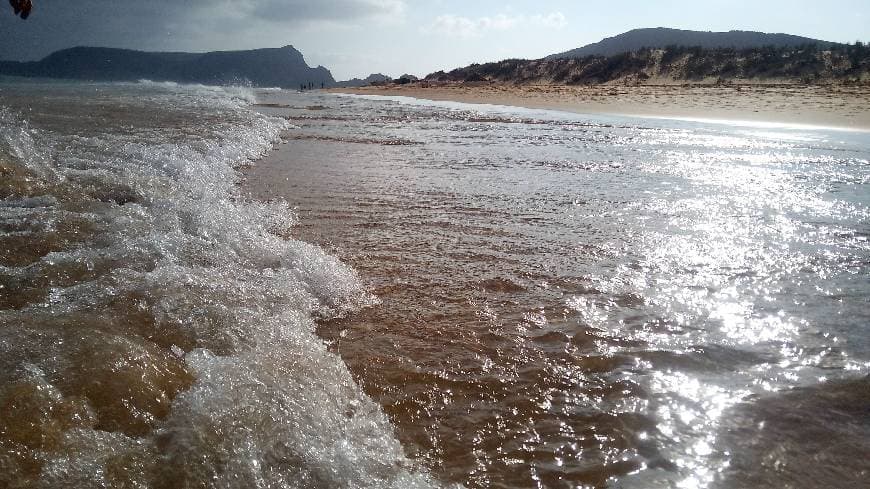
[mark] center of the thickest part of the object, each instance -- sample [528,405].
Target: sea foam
[158,329]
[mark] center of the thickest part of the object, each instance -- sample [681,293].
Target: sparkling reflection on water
[569,302]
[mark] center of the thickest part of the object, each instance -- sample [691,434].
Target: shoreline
[837,107]
[484,244]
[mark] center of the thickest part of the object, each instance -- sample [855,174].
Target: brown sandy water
[571,303]
[156,330]
[472,343]
[409,295]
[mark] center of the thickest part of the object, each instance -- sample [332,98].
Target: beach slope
[829,106]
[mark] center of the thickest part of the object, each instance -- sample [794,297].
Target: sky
[356,37]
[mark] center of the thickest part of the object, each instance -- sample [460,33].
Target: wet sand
[829,106]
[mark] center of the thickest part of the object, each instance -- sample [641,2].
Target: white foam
[270,407]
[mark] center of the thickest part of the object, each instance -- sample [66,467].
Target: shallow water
[414,295]
[570,301]
[156,330]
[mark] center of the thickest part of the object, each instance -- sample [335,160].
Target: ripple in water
[156,330]
[496,297]
[595,303]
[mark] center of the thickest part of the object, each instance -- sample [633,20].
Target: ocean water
[228,287]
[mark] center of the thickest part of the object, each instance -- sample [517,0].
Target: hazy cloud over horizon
[358,37]
[464,27]
[333,10]
[171,24]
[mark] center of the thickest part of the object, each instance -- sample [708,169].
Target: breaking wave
[156,329]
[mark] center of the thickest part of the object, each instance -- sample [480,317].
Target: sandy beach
[829,106]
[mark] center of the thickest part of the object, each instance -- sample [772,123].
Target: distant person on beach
[22,7]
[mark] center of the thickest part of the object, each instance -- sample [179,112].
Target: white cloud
[455,26]
[500,22]
[554,20]
[463,27]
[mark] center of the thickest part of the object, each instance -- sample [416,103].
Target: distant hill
[406,79]
[661,37]
[272,67]
[356,82]
[802,64]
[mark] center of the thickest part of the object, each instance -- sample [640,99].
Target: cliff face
[273,67]
[661,37]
